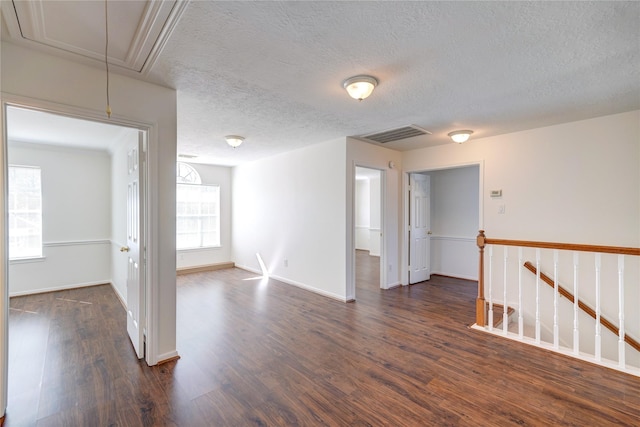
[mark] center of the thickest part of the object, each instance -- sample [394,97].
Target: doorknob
[124,249]
[428,232]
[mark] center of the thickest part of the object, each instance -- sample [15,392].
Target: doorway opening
[443,214]
[368,228]
[85,226]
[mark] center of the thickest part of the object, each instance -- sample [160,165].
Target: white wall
[221,176]
[362,213]
[375,216]
[368,155]
[292,207]
[34,78]
[576,182]
[76,220]
[455,221]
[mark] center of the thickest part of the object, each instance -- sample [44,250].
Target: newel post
[481,307]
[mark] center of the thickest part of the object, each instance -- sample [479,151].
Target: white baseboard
[393,285]
[119,295]
[311,288]
[455,275]
[562,350]
[297,284]
[249,269]
[59,288]
[166,357]
[204,268]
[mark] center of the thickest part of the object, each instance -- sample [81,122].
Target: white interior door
[420,228]
[135,279]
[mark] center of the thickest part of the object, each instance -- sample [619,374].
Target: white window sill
[203,248]
[27,260]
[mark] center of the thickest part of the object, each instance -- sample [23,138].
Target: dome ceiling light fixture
[234,140]
[460,136]
[360,87]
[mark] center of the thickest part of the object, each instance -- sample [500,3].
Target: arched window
[186,174]
[197,210]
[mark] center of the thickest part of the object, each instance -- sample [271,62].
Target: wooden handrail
[564,246]
[590,311]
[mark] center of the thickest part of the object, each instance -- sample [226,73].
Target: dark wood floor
[264,353]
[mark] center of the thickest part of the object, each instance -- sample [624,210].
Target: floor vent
[395,134]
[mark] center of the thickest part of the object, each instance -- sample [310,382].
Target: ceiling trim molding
[170,24]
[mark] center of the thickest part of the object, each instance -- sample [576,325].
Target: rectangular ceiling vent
[396,134]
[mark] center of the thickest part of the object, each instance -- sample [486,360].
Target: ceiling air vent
[395,134]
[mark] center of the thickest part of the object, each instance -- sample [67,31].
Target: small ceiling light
[234,140]
[360,87]
[460,136]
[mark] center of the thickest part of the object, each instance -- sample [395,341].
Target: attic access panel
[137,29]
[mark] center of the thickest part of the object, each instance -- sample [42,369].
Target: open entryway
[368,226]
[76,207]
[76,219]
[443,218]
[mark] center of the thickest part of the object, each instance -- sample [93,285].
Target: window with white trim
[25,212]
[197,210]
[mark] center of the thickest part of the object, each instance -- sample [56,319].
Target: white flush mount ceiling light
[234,140]
[360,87]
[460,136]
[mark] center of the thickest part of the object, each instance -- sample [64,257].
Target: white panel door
[135,279]
[420,228]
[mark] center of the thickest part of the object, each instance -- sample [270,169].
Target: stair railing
[485,299]
[583,306]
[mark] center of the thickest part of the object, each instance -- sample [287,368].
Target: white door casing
[135,272]
[420,228]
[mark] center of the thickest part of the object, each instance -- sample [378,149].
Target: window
[197,210]
[25,212]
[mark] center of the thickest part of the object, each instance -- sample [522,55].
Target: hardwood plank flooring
[262,353]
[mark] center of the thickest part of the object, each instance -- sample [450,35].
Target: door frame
[150,300]
[351,286]
[406,212]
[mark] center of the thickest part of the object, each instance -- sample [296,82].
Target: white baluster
[490,320]
[576,332]
[537,296]
[556,330]
[505,310]
[520,318]
[621,358]
[598,337]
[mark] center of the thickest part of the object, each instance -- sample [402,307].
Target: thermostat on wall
[496,193]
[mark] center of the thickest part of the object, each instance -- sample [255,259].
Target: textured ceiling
[272,71]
